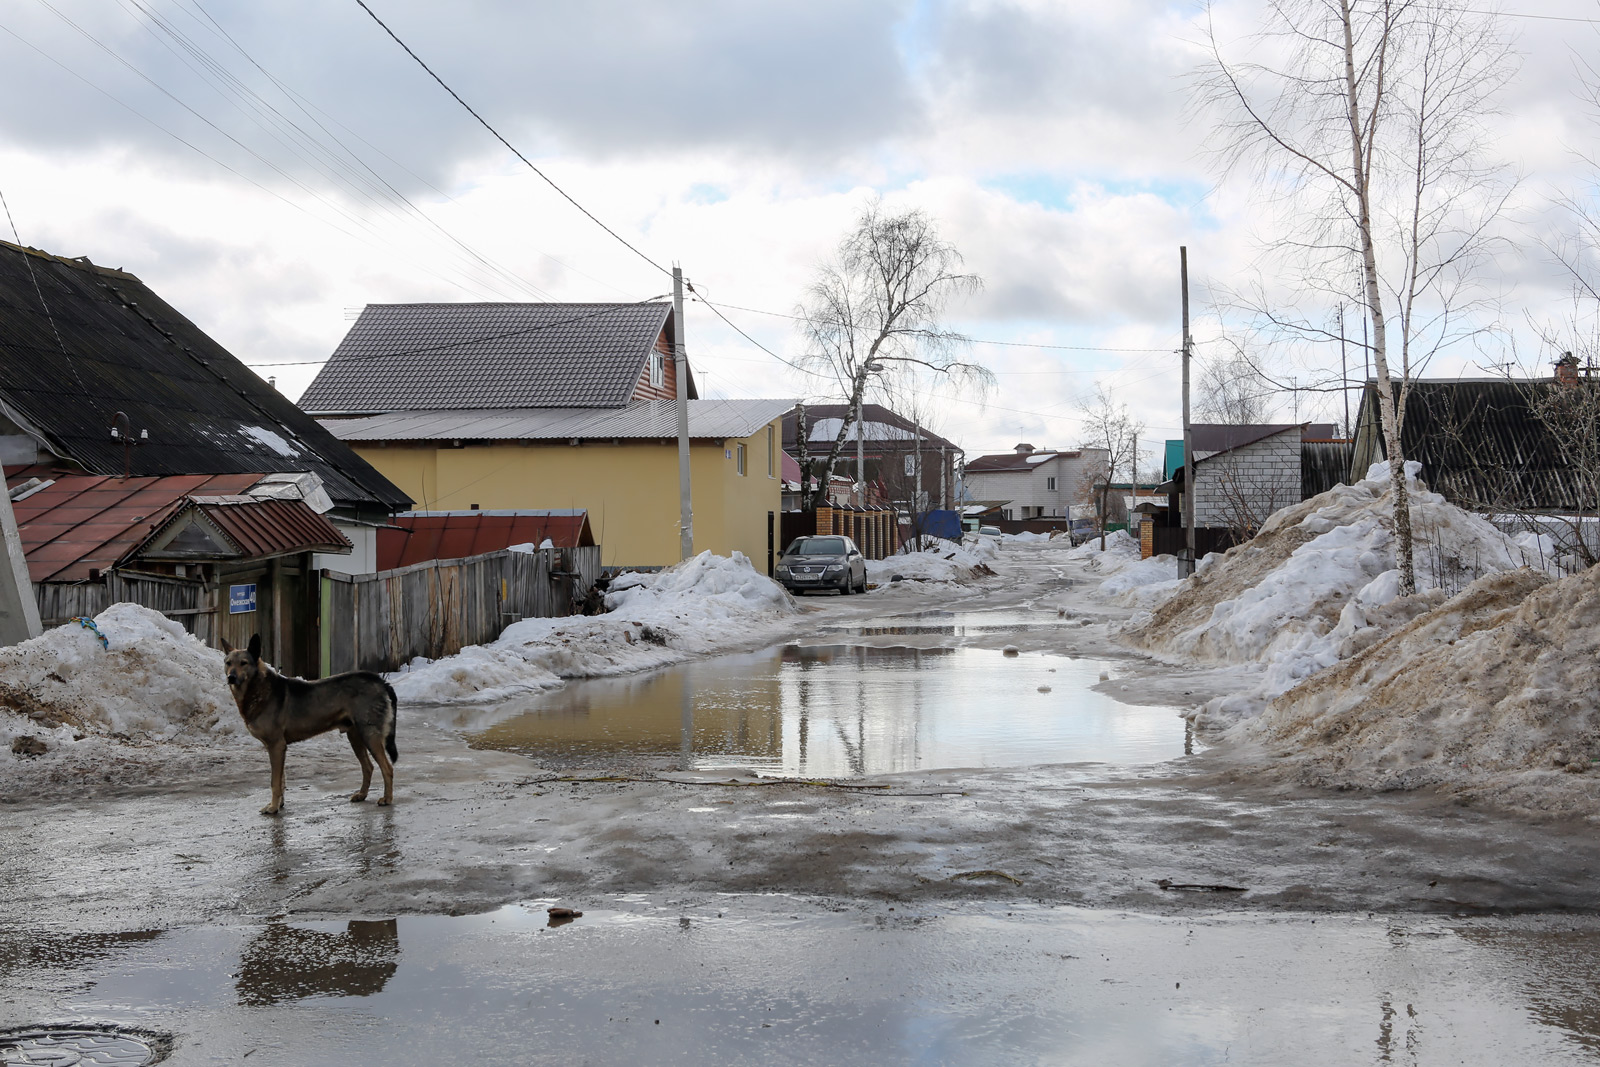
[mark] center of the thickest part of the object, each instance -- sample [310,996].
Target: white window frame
[739,464]
[658,369]
[911,463]
[1050,484]
[772,452]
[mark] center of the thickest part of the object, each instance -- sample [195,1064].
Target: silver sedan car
[824,561]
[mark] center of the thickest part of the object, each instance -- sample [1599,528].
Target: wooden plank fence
[380,622]
[182,600]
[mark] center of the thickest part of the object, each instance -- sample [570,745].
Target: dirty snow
[152,682]
[1491,694]
[940,561]
[703,605]
[1318,584]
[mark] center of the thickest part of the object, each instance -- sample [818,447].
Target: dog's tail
[394,713]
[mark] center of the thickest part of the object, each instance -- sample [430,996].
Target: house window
[658,369]
[911,463]
[1050,485]
[772,453]
[738,459]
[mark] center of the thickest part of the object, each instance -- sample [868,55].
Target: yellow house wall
[630,490]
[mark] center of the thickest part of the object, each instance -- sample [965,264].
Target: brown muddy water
[740,979]
[842,710]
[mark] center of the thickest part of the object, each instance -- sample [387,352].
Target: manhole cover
[67,1046]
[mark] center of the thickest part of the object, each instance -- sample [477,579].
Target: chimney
[1023,450]
[1567,369]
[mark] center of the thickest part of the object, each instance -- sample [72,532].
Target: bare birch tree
[1110,430]
[1364,122]
[876,308]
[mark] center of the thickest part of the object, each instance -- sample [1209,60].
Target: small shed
[199,549]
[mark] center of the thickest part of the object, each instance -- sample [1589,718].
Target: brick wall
[1248,484]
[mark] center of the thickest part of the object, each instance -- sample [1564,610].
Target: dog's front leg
[276,751]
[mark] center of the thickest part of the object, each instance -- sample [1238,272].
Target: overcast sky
[270,168]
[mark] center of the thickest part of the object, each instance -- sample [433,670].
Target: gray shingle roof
[400,357]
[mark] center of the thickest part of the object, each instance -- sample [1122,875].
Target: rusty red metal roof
[80,522]
[259,529]
[419,536]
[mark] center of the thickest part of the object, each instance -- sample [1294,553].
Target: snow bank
[706,604]
[1122,548]
[940,561]
[1143,583]
[151,681]
[1319,583]
[1492,693]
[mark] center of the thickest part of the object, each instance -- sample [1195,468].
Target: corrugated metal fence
[379,622]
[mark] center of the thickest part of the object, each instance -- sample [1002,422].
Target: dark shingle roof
[412,357]
[127,350]
[1017,462]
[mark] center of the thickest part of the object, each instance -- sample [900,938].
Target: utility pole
[680,368]
[1344,377]
[19,611]
[1188,434]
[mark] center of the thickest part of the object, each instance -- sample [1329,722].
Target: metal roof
[103,342]
[410,357]
[884,426]
[423,535]
[652,419]
[1480,441]
[80,522]
[1017,462]
[255,529]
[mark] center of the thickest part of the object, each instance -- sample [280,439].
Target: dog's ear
[255,647]
[226,648]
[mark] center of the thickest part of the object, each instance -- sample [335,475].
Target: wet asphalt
[912,892]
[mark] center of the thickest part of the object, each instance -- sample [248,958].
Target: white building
[1035,483]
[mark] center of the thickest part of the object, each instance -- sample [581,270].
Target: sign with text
[241,598]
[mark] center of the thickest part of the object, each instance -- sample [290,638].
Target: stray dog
[278,711]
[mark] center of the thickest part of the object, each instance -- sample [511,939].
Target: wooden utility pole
[1188,435]
[680,368]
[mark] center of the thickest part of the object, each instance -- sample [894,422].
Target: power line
[446,346]
[484,123]
[970,340]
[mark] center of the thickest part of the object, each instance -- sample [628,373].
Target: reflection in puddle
[757,980]
[294,962]
[842,710]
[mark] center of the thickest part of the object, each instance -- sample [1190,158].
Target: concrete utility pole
[1188,435]
[19,611]
[680,368]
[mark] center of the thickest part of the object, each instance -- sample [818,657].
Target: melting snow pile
[1495,693]
[705,604]
[1318,584]
[151,681]
[1131,581]
[939,561]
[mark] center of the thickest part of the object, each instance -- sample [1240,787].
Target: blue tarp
[946,524]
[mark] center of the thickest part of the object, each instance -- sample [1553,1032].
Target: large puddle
[764,980]
[842,711]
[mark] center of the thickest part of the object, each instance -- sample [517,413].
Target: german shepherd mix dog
[279,711]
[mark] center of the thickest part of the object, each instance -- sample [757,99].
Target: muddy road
[973,803]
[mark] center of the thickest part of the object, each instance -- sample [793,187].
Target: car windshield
[817,546]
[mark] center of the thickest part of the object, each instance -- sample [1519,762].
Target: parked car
[1083,530]
[824,561]
[990,531]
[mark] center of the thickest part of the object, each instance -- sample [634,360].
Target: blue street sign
[241,598]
